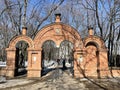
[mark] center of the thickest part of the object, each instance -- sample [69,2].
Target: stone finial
[24,30]
[90,31]
[57,17]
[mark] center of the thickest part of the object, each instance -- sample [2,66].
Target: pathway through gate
[54,58]
[64,82]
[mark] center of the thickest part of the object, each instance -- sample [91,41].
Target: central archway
[65,40]
[53,57]
[49,56]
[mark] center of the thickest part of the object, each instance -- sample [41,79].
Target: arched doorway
[66,54]
[21,58]
[57,57]
[14,52]
[49,56]
[64,37]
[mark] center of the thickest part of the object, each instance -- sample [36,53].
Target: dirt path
[58,80]
[52,82]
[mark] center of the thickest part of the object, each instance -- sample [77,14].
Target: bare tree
[14,14]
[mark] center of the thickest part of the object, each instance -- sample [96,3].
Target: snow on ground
[63,82]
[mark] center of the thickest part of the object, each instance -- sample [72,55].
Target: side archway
[98,41]
[96,63]
[12,53]
[92,58]
[16,39]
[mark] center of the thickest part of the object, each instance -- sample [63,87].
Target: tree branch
[47,17]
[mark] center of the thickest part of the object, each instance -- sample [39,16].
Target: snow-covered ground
[50,64]
[53,64]
[2,79]
[2,64]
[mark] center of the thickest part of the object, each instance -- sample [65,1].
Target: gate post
[104,69]
[78,59]
[34,62]
[10,68]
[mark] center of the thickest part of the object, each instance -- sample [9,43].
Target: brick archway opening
[66,53]
[12,54]
[54,57]
[48,57]
[21,58]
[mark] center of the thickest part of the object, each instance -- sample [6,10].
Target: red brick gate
[90,54]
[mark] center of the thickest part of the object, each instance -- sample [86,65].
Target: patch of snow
[50,64]
[2,64]
[2,79]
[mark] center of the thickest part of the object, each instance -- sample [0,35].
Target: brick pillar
[103,58]
[78,59]
[34,62]
[10,68]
